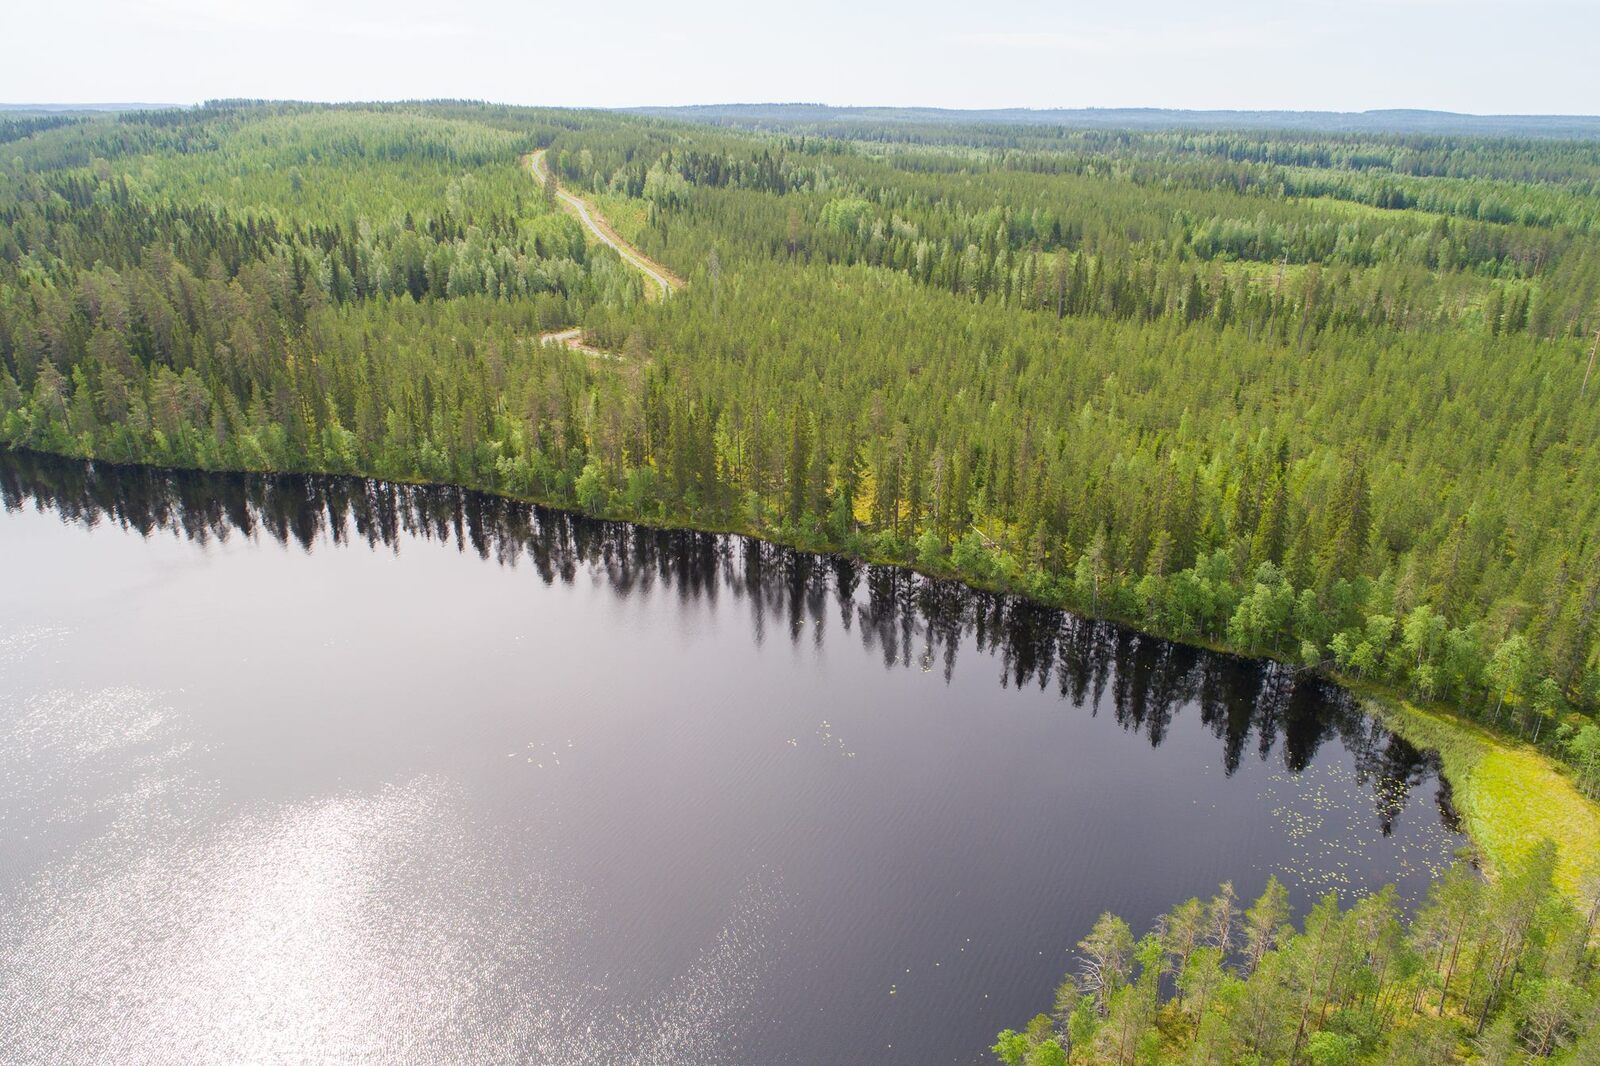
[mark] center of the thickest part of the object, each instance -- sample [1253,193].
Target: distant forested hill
[1442,123]
[56,109]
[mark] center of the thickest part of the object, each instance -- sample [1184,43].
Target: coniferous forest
[1328,397]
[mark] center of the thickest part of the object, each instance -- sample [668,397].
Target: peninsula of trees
[1492,974]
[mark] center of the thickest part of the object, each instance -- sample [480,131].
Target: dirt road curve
[597,225]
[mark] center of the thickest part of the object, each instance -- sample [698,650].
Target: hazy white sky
[1505,56]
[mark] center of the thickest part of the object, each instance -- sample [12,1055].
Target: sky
[1482,56]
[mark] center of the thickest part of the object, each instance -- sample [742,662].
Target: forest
[1320,398]
[1328,397]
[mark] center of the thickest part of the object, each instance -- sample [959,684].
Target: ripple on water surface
[358,927]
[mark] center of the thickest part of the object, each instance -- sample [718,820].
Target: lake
[319,769]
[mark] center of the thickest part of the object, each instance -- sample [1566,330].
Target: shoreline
[1489,773]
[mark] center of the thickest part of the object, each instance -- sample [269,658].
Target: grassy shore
[1510,795]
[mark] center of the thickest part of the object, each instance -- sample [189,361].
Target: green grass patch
[627,216]
[1510,795]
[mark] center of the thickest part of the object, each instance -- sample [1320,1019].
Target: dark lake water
[304,770]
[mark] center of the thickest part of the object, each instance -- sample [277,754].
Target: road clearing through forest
[596,224]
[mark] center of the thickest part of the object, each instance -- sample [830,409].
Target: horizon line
[111,106]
